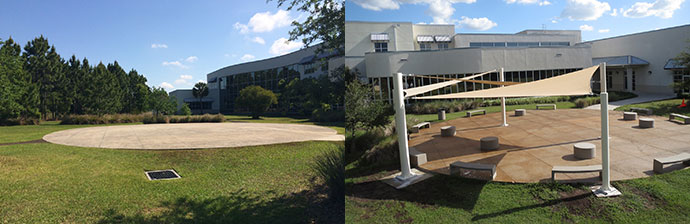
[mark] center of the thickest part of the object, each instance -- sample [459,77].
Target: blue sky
[173,43]
[596,18]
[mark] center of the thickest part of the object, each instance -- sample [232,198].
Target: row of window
[383,46]
[383,86]
[517,44]
[270,79]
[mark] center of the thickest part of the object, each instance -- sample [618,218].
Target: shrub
[330,167]
[585,102]
[185,110]
[256,99]
[184,119]
[104,119]
[20,121]
[449,106]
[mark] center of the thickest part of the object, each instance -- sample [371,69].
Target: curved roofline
[313,47]
[482,48]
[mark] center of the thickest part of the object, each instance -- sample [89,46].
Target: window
[381,47]
[500,44]
[443,46]
[424,47]
[472,44]
[512,44]
[309,68]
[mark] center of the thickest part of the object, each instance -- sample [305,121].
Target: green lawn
[49,183]
[338,126]
[491,109]
[445,199]
[662,107]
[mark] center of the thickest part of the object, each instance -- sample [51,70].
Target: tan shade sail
[423,89]
[574,83]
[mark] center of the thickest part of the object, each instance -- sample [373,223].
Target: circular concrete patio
[532,144]
[191,135]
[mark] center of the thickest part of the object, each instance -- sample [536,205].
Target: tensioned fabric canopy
[574,83]
[423,89]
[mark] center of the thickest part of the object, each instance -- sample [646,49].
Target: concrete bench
[645,110]
[458,165]
[629,116]
[488,143]
[646,123]
[520,112]
[469,113]
[574,169]
[584,150]
[416,157]
[416,127]
[447,131]
[660,162]
[672,117]
[546,105]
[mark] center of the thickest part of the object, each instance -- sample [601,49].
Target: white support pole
[606,189]
[401,127]
[503,100]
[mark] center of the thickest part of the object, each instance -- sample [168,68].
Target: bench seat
[469,113]
[574,169]
[416,127]
[660,162]
[546,105]
[673,116]
[457,165]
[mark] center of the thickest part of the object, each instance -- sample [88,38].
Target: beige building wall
[571,36]
[656,47]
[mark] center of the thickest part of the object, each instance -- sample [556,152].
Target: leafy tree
[199,91]
[160,102]
[326,22]
[185,110]
[18,96]
[256,99]
[362,111]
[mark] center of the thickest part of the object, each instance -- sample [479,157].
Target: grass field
[49,183]
[662,107]
[446,199]
[491,109]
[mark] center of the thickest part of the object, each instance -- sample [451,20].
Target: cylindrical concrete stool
[488,143]
[447,131]
[441,114]
[629,116]
[520,112]
[584,150]
[646,122]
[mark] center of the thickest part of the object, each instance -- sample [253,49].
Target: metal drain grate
[162,174]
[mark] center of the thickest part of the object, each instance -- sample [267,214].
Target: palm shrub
[330,167]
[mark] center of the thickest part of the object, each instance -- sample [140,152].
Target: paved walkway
[191,135]
[536,142]
[645,97]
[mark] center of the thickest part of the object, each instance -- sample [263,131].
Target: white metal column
[606,190]
[401,127]
[503,101]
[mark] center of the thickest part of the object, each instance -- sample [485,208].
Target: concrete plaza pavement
[191,135]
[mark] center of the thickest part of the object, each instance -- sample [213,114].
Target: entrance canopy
[574,83]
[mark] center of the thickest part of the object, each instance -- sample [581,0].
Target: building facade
[225,84]
[379,49]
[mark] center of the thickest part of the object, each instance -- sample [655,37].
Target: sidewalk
[645,97]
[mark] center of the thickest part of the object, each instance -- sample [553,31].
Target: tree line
[37,83]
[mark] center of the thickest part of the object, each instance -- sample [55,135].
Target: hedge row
[449,106]
[147,118]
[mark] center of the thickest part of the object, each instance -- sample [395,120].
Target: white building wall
[463,40]
[656,47]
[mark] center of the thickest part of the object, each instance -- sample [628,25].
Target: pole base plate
[398,182]
[601,193]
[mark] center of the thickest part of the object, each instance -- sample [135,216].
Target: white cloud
[191,59]
[204,81]
[525,2]
[283,46]
[585,10]
[183,80]
[265,22]
[661,8]
[586,28]
[440,10]
[185,77]
[554,21]
[615,12]
[167,86]
[159,46]
[604,30]
[477,23]
[174,63]
[258,40]
[247,57]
